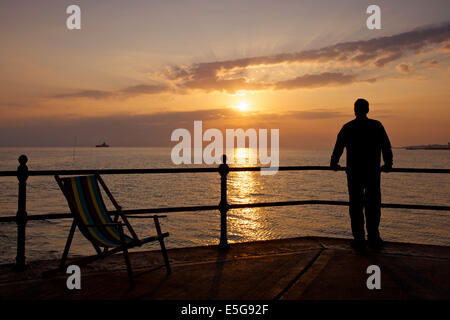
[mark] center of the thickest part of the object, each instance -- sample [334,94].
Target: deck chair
[94,221]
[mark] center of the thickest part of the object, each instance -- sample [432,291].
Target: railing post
[223,205]
[21,217]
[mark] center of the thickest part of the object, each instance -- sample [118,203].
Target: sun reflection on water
[244,187]
[245,157]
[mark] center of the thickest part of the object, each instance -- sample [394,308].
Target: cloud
[93,94]
[378,52]
[430,63]
[145,89]
[381,62]
[405,68]
[125,92]
[317,114]
[13,105]
[316,80]
[228,85]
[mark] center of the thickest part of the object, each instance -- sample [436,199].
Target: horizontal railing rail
[23,173]
[55,216]
[35,173]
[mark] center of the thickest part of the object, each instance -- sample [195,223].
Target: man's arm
[338,149]
[386,149]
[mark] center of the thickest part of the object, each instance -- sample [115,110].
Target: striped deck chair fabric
[88,207]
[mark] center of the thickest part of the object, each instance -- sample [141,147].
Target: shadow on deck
[299,268]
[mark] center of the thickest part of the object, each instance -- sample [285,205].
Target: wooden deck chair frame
[120,225]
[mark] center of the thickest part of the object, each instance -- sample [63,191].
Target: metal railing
[22,174]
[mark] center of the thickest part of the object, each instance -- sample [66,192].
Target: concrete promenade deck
[311,268]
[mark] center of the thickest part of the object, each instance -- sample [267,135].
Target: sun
[243,106]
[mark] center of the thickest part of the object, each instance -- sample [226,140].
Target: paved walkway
[300,268]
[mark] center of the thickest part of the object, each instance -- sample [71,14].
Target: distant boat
[103,145]
[430,147]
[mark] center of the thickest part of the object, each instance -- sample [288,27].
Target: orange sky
[135,73]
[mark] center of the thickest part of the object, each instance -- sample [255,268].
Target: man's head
[361,108]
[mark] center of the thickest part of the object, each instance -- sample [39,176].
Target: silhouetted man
[365,139]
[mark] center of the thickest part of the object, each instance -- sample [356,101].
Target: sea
[46,239]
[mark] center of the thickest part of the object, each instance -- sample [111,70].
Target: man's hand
[386,168]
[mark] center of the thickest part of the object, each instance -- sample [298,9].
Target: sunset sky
[139,69]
